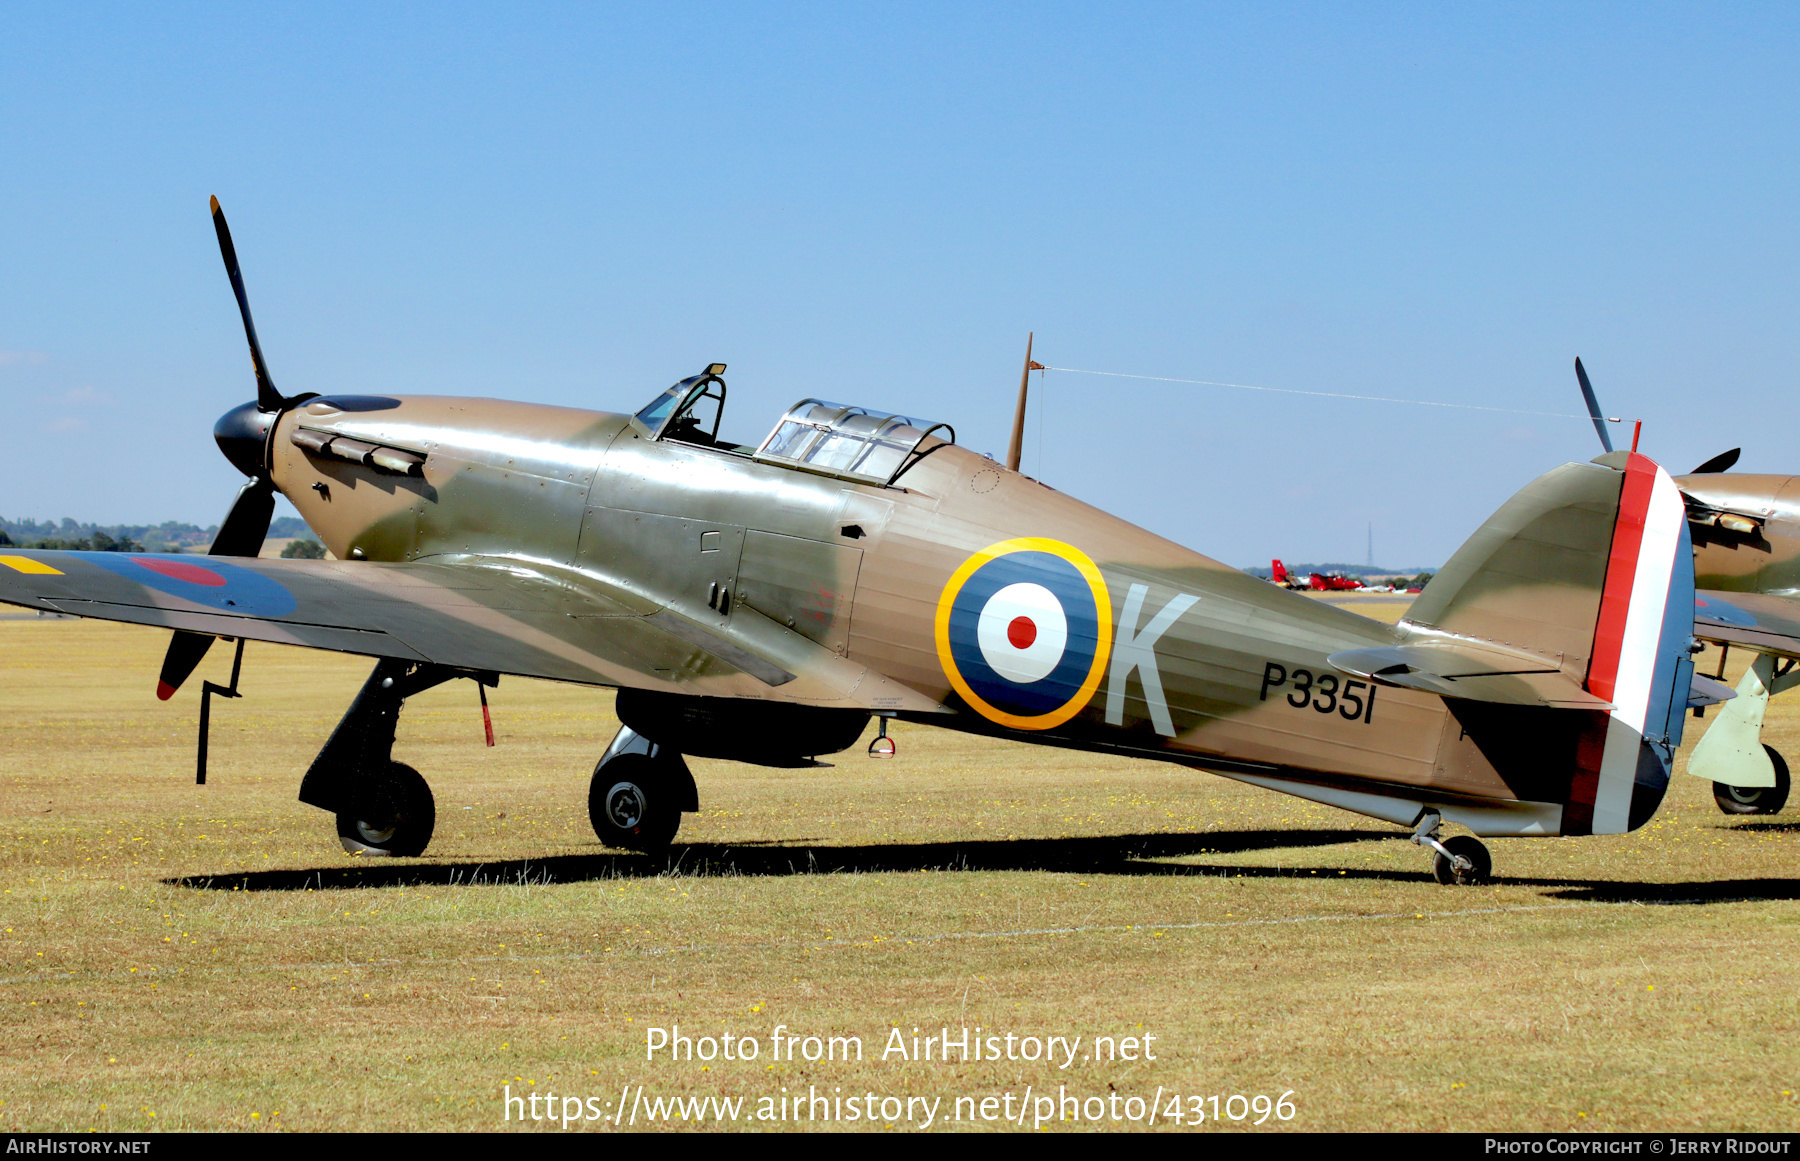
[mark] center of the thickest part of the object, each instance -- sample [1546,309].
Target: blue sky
[874,204]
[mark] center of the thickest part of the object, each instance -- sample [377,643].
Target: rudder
[1642,660]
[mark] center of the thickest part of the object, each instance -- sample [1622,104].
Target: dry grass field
[182,957]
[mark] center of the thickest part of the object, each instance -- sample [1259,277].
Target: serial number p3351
[1324,692]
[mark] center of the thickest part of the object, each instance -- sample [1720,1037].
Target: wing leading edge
[1765,622]
[488,613]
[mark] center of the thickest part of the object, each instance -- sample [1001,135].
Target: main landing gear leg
[1461,861]
[638,792]
[383,807]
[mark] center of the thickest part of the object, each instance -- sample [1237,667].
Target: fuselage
[1195,661]
[1747,534]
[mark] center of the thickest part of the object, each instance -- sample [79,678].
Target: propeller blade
[185,651]
[247,524]
[242,534]
[1587,393]
[1719,463]
[267,398]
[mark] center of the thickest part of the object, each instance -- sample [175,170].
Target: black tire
[1756,799]
[1471,849]
[394,815]
[633,804]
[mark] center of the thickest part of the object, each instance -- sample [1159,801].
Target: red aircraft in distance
[1335,583]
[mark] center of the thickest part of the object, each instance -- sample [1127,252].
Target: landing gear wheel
[394,815]
[633,805]
[1479,871]
[1756,799]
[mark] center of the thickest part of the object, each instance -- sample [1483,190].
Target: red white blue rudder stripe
[1641,661]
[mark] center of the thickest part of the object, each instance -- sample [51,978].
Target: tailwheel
[634,803]
[1756,799]
[394,814]
[1463,861]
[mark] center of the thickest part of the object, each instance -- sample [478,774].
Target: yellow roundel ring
[1023,630]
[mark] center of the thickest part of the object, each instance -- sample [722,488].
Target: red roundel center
[1021,633]
[182,571]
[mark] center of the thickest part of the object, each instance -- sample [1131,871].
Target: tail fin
[1641,658]
[1278,572]
[1577,594]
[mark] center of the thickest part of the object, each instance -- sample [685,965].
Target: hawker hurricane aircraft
[1746,534]
[761,601]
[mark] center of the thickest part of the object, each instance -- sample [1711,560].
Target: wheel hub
[625,805]
[374,834]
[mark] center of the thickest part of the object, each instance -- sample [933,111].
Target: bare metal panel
[807,585]
[689,565]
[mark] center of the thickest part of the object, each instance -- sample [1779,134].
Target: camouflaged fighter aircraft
[760,602]
[1746,535]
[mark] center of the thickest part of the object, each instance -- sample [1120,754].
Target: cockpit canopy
[851,443]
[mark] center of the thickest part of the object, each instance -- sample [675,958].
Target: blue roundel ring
[1035,670]
[204,580]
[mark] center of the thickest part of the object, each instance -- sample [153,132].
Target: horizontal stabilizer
[1472,670]
[1704,691]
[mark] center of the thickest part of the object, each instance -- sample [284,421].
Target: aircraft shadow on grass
[1130,854]
[1767,827]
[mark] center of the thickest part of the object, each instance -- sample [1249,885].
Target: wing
[484,613]
[1761,621]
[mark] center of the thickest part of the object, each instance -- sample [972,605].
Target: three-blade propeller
[246,525]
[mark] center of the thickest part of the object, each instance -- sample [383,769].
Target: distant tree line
[99,541]
[170,536]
